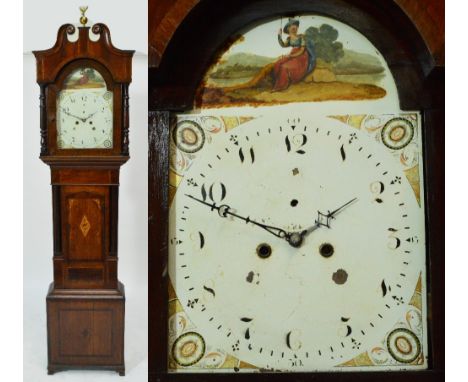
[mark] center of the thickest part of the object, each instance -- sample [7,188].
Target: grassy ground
[300,92]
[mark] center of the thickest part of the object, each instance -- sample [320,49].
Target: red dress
[289,70]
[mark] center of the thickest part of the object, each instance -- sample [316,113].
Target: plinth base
[85,329]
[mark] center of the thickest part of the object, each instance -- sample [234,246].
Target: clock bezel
[53,93]
[174,80]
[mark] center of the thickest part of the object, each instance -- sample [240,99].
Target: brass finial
[83,18]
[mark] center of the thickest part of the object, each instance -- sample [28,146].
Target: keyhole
[326,250]
[264,251]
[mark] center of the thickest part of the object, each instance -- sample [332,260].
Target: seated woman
[294,67]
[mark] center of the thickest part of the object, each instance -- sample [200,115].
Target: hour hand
[74,116]
[225,211]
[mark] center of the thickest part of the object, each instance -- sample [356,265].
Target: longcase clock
[84,125]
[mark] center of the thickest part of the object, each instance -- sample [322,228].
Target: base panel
[85,329]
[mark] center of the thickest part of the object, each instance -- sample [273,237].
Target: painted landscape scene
[277,63]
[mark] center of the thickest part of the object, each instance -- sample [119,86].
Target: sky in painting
[262,39]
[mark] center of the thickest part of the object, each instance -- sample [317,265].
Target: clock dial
[84,112]
[295,244]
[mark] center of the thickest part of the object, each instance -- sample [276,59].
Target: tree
[325,44]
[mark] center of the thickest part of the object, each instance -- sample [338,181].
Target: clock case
[173,81]
[85,301]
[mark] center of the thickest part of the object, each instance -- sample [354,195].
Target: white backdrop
[128,26]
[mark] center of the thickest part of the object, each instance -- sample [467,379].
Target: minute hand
[224,210]
[339,209]
[328,217]
[89,116]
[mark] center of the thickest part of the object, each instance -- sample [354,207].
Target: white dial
[85,114]
[295,246]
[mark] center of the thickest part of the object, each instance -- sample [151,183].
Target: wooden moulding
[51,61]
[84,176]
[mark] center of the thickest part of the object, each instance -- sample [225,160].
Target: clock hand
[225,210]
[74,116]
[331,214]
[339,209]
[89,116]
